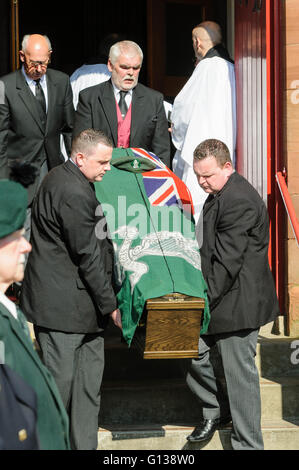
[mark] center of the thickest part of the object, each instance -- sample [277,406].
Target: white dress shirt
[128,97]
[43,84]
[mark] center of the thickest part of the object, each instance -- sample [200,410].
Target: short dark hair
[213,148]
[88,139]
[107,42]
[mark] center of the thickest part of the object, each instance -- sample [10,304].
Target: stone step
[277,434]
[279,398]
[276,357]
[170,401]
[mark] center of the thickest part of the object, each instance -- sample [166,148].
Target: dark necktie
[39,95]
[122,104]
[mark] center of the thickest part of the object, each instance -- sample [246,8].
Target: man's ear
[228,168]
[110,65]
[197,43]
[79,159]
[22,56]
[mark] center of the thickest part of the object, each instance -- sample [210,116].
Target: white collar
[8,304]
[30,81]
[117,90]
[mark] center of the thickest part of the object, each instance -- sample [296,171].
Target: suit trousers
[27,225]
[76,362]
[239,393]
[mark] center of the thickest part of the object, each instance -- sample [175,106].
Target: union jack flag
[162,186]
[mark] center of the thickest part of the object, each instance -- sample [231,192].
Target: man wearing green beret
[16,347]
[68,291]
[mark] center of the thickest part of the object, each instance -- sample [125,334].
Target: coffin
[170,327]
[149,216]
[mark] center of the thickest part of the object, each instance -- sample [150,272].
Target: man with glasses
[36,106]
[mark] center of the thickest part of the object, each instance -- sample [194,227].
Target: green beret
[13,206]
[125,159]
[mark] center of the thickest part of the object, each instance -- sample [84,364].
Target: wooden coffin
[170,327]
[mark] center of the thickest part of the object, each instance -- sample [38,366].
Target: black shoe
[206,429]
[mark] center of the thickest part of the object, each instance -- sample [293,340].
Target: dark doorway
[76,28]
[170,23]
[5,37]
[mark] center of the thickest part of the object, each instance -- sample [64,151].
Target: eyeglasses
[37,63]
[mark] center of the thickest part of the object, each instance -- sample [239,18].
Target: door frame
[14,36]
[156,48]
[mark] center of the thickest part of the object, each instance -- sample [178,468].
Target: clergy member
[206,106]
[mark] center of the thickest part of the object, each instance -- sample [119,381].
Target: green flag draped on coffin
[149,215]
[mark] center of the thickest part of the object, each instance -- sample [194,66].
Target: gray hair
[124,47]
[87,140]
[26,39]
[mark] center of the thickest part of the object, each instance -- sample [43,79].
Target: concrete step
[277,434]
[170,401]
[277,356]
[279,398]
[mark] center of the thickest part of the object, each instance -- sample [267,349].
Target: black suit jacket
[22,134]
[149,129]
[18,412]
[235,258]
[67,283]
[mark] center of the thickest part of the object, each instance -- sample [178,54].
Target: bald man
[206,106]
[35,107]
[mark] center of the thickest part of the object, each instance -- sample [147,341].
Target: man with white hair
[131,114]
[206,106]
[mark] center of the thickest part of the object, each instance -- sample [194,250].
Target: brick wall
[291,152]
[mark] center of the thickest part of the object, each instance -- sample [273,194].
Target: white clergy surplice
[204,109]
[86,76]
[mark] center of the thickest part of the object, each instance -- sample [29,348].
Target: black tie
[122,104]
[39,95]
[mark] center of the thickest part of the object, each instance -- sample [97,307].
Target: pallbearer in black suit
[67,291]
[131,114]
[36,106]
[241,296]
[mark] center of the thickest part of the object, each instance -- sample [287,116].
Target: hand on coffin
[116,317]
